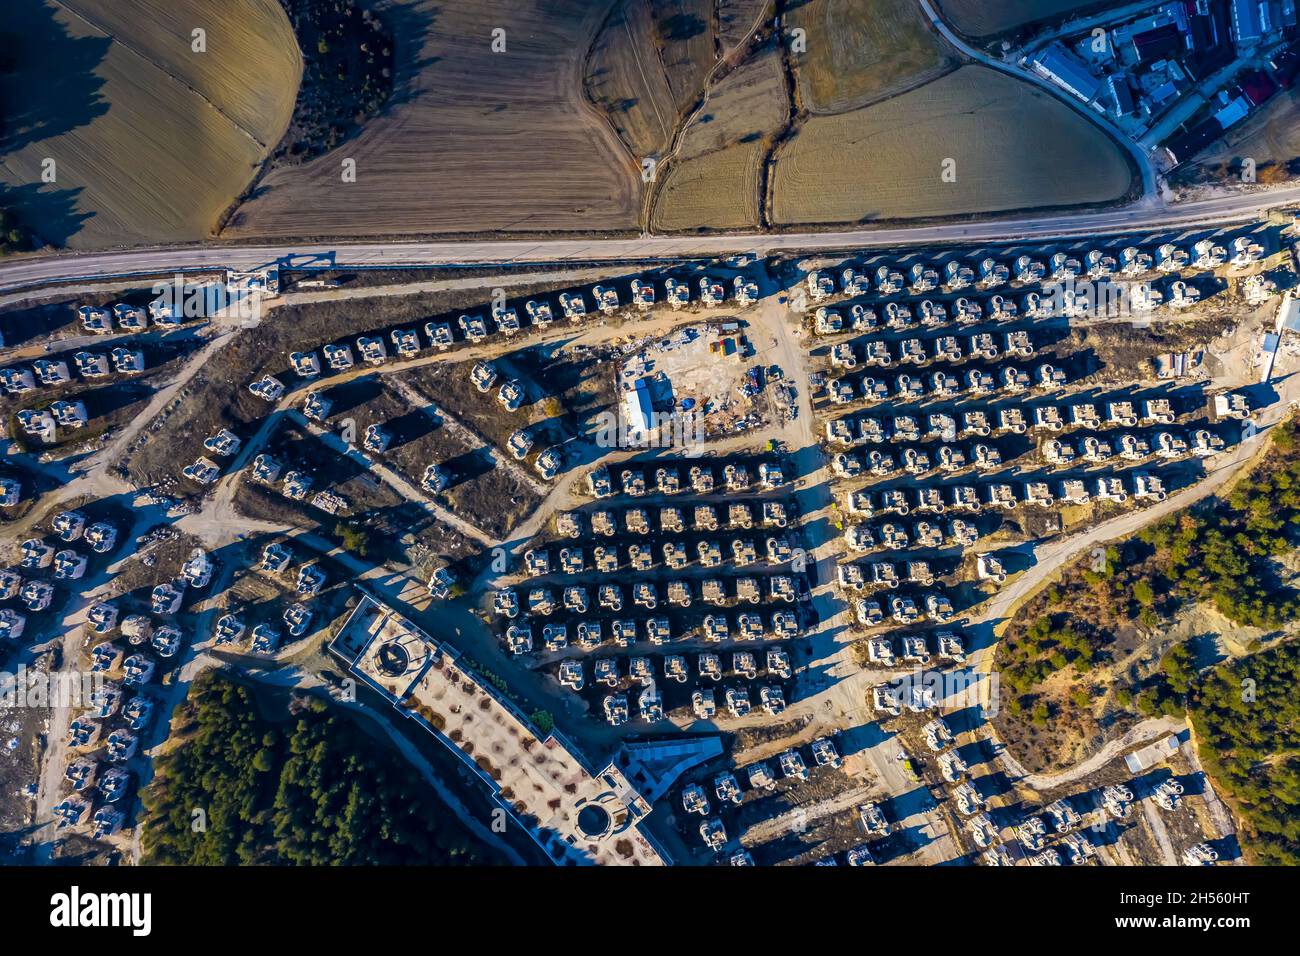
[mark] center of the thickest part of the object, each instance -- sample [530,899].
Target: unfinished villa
[576,815]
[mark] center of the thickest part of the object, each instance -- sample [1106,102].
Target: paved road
[19,272]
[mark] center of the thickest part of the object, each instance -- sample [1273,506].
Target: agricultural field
[736,17]
[715,191]
[1013,146]
[748,105]
[475,141]
[860,51]
[684,34]
[651,60]
[151,141]
[981,18]
[715,178]
[626,80]
[540,130]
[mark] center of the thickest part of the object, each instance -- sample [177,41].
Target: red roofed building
[1257,86]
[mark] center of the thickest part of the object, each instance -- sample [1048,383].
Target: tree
[1179,668]
[1040,714]
[543,721]
[355,538]
[1148,703]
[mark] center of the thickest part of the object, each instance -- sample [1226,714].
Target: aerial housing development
[545,435]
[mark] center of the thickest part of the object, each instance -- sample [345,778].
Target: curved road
[1144,732]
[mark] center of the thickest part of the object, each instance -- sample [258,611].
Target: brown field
[860,51]
[447,384]
[980,18]
[489,496]
[735,17]
[398,529]
[152,141]
[715,191]
[684,31]
[1015,148]
[715,180]
[648,66]
[474,142]
[746,106]
[545,137]
[624,78]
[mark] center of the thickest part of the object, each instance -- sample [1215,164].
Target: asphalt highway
[20,272]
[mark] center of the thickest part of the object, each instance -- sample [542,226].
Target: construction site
[774,628]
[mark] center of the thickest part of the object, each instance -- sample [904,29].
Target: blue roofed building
[1067,71]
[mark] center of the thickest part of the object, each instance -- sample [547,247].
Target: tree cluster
[241,789]
[1247,719]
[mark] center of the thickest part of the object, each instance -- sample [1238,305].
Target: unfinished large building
[574,813]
